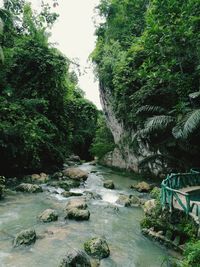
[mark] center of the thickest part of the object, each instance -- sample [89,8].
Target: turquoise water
[119,225]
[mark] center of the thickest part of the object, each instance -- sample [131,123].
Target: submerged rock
[25,237]
[71,194]
[97,247]
[29,188]
[48,215]
[79,203]
[109,184]
[77,214]
[142,187]
[76,174]
[75,258]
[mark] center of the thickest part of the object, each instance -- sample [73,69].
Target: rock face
[25,237]
[75,258]
[97,247]
[109,184]
[76,174]
[124,156]
[78,214]
[142,187]
[48,215]
[29,188]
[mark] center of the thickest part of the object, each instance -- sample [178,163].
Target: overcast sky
[74,35]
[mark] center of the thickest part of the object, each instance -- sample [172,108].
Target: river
[119,225]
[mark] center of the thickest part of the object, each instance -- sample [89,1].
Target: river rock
[128,201]
[109,184]
[29,188]
[142,187]
[78,203]
[97,247]
[71,194]
[68,184]
[149,206]
[48,215]
[40,178]
[77,214]
[75,258]
[25,237]
[76,174]
[92,195]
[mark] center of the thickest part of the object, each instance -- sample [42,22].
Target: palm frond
[148,109]
[157,124]
[192,123]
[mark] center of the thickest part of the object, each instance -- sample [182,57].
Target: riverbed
[119,225]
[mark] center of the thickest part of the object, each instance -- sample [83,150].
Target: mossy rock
[97,247]
[25,237]
[48,215]
[75,258]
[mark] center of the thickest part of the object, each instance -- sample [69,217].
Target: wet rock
[68,184]
[128,201]
[77,214]
[97,247]
[79,203]
[109,184]
[2,186]
[142,187]
[92,195]
[149,206]
[40,178]
[71,194]
[76,174]
[75,258]
[25,237]
[29,188]
[48,215]
[57,175]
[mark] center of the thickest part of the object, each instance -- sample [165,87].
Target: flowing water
[119,225]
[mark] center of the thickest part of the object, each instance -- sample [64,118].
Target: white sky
[74,35]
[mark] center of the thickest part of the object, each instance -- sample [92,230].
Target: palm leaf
[148,109]
[192,123]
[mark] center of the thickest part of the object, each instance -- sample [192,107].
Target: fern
[147,109]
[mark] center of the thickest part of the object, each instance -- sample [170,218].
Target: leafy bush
[191,255]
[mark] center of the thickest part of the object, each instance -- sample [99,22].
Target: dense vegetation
[147,59]
[43,115]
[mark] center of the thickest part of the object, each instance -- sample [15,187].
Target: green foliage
[43,116]
[147,58]
[191,255]
[103,142]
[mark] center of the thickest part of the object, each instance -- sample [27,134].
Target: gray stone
[75,258]
[48,215]
[29,188]
[25,237]
[109,184]
[71,194]
[77,214]
[78,203]
[97,247]
[76,174]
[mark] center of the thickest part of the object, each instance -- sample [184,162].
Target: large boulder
[75,258]
[48,215]
[25,237]
[142,187]
[78,203]
[29,188]
[109,184]
[97,247]
[76,174]
[77,214]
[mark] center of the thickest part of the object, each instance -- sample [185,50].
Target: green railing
[171,191]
